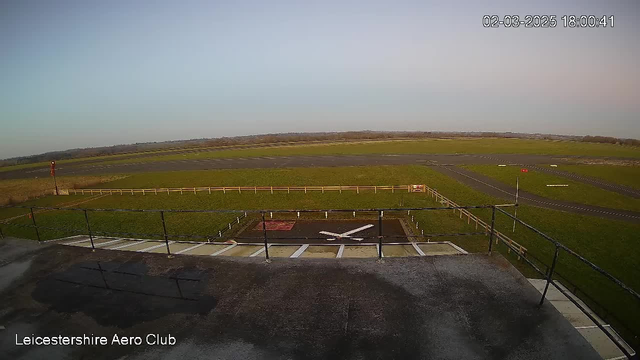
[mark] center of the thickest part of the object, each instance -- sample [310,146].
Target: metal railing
[464,210]
[548,276]
[254,189]
[511,244]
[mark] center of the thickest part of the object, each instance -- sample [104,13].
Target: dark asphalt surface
[498,189]
[440,307]
[620,189]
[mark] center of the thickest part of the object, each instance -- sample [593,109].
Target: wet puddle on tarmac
[123,294]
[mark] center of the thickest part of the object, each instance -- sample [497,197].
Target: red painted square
[276,225]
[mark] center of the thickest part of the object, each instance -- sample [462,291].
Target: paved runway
[136,166]
[496,188]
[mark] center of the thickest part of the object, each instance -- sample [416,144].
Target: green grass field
[431,146]
[610,244]
[19,190]
[427,146]
[623,175]
[535,182]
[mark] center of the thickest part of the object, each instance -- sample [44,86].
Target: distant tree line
[253,140]
[611,140]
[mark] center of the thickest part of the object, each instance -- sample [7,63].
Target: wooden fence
[254,189]
[479,223]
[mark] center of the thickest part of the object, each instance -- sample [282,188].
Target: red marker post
[53,173]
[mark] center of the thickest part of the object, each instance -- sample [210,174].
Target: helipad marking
[300,251]
[190,248]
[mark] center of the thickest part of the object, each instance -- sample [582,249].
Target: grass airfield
[610,244]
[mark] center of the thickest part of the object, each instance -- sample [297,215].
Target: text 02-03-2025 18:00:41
[548,21]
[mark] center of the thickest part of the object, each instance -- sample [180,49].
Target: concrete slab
[241,250]
[207,249]
[122,243]
[355,251]
[282,250]
[318,251]
[97,241]
[593,334]
[601,343]
[174,248]
[141,245]
[437,249]
[399,250]
[552,293]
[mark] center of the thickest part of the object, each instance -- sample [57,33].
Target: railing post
[379,235]
[549,275]
[33,219]
[164,230]
[86,218]
[493,223]
[264,233]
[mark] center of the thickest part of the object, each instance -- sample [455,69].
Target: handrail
[209,189]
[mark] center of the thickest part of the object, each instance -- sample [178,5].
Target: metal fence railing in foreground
[548,273]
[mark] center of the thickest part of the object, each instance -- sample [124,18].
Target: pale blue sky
[93,73]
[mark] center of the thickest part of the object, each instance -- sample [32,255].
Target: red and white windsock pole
[53,173]
[515,211]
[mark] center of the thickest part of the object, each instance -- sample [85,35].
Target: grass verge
[623,175]
[20,190]
[536,182]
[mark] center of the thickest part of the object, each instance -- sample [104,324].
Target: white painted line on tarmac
[189,248]
[260,251]
[591,326]
[300,251]
[108,242]
[155,247]
[340,251]
[66,238]
[77,242]
[415,246]
[618,358]
[456,247]
[127,245]
[223,250]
